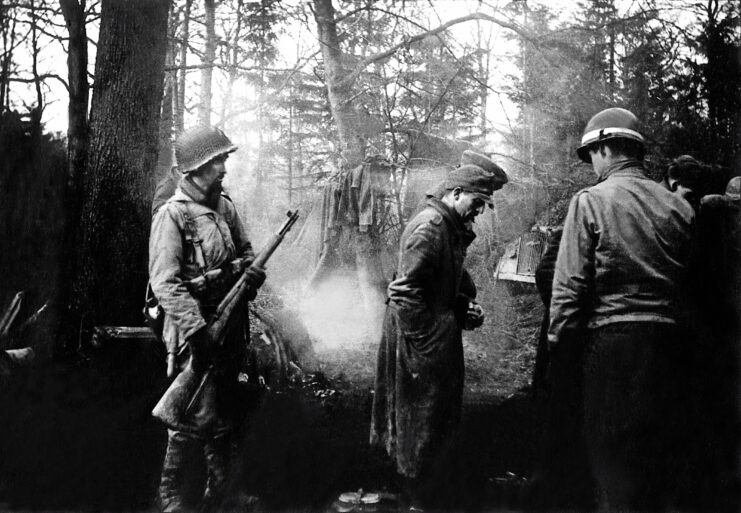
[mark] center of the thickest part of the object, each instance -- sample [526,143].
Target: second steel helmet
[198,145]
[609,124]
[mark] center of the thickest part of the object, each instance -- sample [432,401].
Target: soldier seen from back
[621,266]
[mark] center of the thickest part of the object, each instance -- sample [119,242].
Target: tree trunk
[37,111]
[165,159]
[234,57]
[483,60]
[209,57]
[111,268]
[77,60]
[78,141]
[179,122]
[346,117]
[9,44]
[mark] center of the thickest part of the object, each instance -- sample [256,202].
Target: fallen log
[103,335]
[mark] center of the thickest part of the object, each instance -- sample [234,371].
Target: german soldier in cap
[621,265]
[196,231]
[419,380]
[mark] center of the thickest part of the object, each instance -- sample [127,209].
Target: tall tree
[719,43]
[260,39]
[129,72]
[77,61]
[341,71]
[8,23]
[209,59]
[179,115]
[339,90]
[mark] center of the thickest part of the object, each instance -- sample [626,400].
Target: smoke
[340,314]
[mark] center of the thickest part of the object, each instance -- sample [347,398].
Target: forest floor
[77,435]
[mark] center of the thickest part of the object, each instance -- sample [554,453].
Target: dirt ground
[77,435]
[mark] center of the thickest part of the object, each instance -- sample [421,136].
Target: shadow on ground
[78,435]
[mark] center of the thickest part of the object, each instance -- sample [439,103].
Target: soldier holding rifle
[195,233]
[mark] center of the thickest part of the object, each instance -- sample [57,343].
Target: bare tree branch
[360,66]
[47,76]
[193,67]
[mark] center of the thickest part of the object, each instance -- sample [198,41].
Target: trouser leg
[217,452]
[632,419]
[170,490]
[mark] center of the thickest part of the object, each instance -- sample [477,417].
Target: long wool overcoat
[419,377]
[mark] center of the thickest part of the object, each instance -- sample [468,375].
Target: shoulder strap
[191,235]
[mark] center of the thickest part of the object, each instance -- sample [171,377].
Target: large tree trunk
[347,118]
[111,268]
[78,140]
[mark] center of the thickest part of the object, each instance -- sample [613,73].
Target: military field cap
[476,180]
[485,163]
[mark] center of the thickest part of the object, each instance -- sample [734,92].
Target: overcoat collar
[453,219]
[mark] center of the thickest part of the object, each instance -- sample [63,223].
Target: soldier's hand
[255,276]
[200,350]
[474,316]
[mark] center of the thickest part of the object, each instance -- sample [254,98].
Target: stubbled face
[467,205]
[213,174]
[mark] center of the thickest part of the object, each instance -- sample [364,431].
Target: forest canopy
[307,89]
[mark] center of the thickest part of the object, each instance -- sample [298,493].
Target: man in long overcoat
[419,380]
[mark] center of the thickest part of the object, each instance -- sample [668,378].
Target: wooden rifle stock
[177,401]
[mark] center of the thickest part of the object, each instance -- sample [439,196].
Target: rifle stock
[175,404]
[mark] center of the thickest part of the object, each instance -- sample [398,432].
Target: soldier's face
[468,206]
[215,173]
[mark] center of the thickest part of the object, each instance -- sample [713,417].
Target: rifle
[186,388]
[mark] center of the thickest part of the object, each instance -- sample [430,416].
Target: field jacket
[172,260]
[626,245]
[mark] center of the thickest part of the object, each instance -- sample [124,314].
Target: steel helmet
[198,145]
[613,123]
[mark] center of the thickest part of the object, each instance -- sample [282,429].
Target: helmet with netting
[199,145]
[613,123]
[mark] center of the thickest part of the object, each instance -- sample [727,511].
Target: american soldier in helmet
[195,231]
[621,265]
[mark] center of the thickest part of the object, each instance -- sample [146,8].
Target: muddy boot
[170,490]
[217,452]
